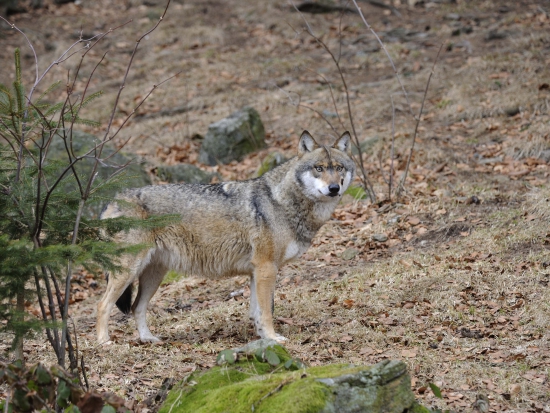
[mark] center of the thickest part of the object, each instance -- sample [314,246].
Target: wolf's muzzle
[333,189]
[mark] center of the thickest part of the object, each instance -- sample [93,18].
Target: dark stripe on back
[216,189]
[257,208]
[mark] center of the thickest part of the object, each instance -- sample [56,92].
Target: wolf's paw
[106,343]
[280,339]
[150,339]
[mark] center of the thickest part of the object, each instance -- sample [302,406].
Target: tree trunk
[20,308]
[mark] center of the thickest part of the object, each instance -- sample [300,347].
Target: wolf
[250,227]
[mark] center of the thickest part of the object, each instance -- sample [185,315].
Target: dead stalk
[383,46]
[401,184]
[390,185]
[369,189]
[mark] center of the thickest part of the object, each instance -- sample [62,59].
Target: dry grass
[410,305]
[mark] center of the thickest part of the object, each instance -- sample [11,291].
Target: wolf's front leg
[149,282]
[262,289]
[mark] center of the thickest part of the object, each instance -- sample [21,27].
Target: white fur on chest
[293,251]
[323,210]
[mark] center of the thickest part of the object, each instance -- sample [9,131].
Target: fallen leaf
[348,303]
[366,351]
[408,353]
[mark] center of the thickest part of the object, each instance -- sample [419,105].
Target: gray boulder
[271,161]
[233,137]
[189,174]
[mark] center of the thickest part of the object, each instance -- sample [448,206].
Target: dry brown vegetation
[460,288]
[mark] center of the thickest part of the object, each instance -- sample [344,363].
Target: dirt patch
[442,235]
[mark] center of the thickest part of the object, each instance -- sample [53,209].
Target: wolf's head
[324,172]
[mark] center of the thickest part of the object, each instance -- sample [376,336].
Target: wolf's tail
[124,302]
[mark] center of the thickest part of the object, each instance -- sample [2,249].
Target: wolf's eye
[319,168]
[339,168]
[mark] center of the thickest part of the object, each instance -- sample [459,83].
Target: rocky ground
[452,277]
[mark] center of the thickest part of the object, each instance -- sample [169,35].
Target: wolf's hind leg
[115,287]
[149,281]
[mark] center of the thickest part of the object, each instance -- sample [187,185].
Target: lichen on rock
[246,380]
[233,137]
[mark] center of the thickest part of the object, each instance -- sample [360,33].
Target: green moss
[248,382]
[224,389]
[417,408]
[236,388]
[172,276]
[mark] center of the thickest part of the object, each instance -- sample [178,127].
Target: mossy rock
[187,173]
[245,380]
[271,161]
[233,137]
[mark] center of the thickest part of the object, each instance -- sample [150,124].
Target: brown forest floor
[460,289]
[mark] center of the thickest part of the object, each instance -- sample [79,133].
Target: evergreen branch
[50,89]
[52,110]
[91,98]
[91,179]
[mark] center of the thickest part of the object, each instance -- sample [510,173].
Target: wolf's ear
[307,143]
[343,143]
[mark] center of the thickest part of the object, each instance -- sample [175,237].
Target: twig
[387,54]
[366,182]
[390,185]
[42,308]
[272,392]
[404,177]
[75,367]
[175,401]
[333,99]
[83,367]
[381,166]
[51,307]
[155,86]
[301,105]
[92,177]
[7,401]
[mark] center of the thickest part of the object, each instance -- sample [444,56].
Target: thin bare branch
[68,276]
[392,151]
[141,103]
[364,178]
[405,173]
[331,97]
[299,104]
[387,54]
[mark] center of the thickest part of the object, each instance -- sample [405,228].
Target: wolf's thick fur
[234,228]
